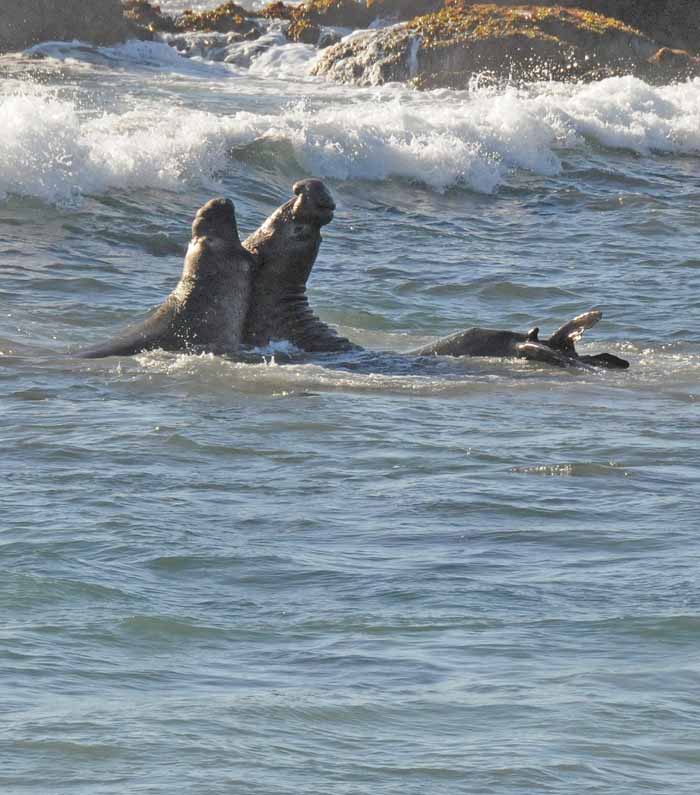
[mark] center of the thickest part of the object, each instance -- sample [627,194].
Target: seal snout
[216,218]
[315,201]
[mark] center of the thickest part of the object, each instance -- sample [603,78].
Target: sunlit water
[348,575]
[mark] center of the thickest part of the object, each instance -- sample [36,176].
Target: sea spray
[53,148]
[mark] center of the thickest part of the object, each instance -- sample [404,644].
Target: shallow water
[348,575]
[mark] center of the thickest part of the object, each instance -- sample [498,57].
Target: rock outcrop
[227,18]
[434,43]
[401,10]
[308,19]
[142,13]
[29,22]
[670,23]
[447,48]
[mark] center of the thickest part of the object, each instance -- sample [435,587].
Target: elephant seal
[559,349]
[207,309]
[285,248]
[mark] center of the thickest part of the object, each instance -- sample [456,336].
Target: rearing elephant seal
[207,309]
[285,248]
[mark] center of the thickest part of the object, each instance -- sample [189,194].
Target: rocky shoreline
[27,23]
[426,43]
[445,49]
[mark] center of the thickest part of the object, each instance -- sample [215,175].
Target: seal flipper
[607,360]
[123,345]
[539,352]
[158,330]
[113,348]
[564,338]
[138,343]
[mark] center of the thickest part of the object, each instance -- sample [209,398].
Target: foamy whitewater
[353,573]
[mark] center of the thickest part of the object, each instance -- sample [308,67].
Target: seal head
[314,204]
[216,219]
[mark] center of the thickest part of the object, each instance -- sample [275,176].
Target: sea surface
[348,576]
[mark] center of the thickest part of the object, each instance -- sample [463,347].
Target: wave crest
[51,149]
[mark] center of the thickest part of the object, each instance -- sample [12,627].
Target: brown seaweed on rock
[277,10]
[669,23]
[226,18]
[149,16]
[308,18]
[447,48]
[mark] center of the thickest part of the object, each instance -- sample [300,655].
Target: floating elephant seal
[559,349]
[285,248]
[207,309]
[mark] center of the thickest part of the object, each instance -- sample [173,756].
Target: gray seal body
[559,349]
[207,309]
[285,248]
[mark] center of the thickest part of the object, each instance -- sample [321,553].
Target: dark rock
[672,23]
[226,18]
[308,18]
[402,9]
[32,21]
[668,64]
[445,49]
[277,10]
[223,19]
[148,16]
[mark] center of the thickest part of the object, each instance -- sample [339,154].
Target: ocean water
[348,575]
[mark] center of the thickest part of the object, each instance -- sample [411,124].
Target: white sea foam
[626,113]
[269,377]
[279,346]
[49,151]
[135,54]
[283,61]
[40,154]
[50,148]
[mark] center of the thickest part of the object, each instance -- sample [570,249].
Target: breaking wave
[53,149]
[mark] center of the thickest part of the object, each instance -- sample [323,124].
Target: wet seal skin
[285,249]
[207,309]
[559,349]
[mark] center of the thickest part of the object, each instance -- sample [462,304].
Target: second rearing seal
[285,248]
